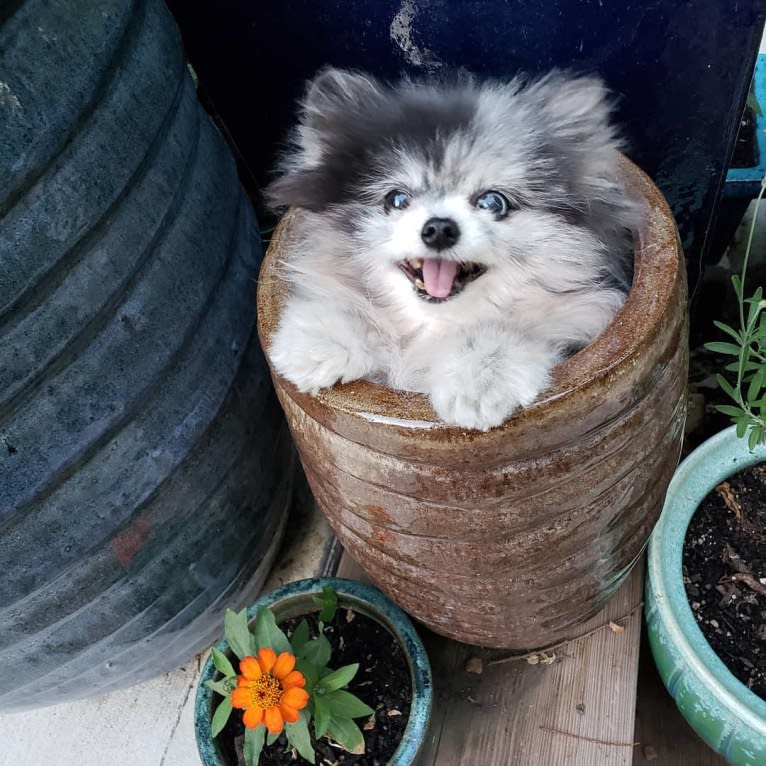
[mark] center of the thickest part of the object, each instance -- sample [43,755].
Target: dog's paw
[315,356]
[486,379]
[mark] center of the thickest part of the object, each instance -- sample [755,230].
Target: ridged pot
[144,467]
[719,707]
[510,538]
[294,600]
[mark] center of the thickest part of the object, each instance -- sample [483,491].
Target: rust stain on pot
[129,542]
[517,535]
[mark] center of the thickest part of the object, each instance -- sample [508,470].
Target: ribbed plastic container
[719,707]
[514,537]
[144,467]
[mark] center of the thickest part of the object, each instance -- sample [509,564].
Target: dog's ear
[577,107]
[309,171]
[334,92]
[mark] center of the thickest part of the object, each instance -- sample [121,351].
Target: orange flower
[270,690]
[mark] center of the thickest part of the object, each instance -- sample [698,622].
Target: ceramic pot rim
[580,383]
[369,600]
[713,461]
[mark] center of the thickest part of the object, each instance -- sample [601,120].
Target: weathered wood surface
[577,711]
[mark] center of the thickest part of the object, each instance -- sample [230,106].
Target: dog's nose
[440,233]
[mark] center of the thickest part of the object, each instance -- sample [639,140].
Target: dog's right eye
[396,200]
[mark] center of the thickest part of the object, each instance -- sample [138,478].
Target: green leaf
[753,439]
[328,604]
[220,717]
[223,687]
[753,309]
[268,633]
[343,704]
[729,331]
[742,424]
[318,651]
[309,670]
[347,734]
[736,283]
[299,638]
[726,386]
[723,348]
[752,102]
[221,661]
[337,679]
[237,633]
[754,388]
[298,736]
[730,410]
[254,739]
[321,718]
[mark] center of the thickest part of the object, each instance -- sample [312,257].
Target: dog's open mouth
[437,279]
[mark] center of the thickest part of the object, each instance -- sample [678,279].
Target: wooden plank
[577,711]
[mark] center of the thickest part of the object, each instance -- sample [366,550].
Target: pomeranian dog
[456,239]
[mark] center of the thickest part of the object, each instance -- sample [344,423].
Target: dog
[456,238]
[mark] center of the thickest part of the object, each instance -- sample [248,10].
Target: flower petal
[253,717]
[295,678]
[290,714]
[266,658]
[284,665]
[240,697]
[295,697]
[250,668]
[273,720]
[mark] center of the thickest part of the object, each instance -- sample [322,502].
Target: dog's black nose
[440,233]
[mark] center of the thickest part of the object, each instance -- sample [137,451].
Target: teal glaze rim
[367,600]
[713,461]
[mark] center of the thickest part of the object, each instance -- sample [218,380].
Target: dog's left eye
[396,200]
[495,203]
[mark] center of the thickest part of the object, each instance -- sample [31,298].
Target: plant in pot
[706,584]
[320,670]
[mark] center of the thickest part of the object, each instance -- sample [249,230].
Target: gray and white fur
[456,238]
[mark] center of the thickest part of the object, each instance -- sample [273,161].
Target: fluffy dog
[456,238]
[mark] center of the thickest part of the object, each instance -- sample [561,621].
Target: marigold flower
[270,690]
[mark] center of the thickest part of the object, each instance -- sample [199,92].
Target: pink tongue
[438,276]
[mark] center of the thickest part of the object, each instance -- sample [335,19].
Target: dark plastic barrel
[144,466]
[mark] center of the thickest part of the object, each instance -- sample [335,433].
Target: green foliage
[267,633]
[327,603]
[237,633]
[331,706]
[221,716]
[747,386]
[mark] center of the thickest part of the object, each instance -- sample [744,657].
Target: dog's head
[443,186]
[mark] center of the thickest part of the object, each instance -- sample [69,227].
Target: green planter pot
[295,599]
[722,710]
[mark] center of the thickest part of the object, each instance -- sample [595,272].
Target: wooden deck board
[578,711]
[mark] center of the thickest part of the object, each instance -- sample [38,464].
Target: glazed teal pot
[295,599]
[722,710]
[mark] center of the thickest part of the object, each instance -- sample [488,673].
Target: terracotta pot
[514,537]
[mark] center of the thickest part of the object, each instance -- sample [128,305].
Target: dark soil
[383,682]
[724,563]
